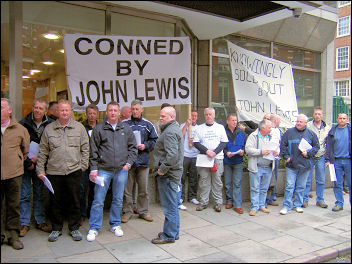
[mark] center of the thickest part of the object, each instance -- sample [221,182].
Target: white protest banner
[262,85]
[101,69]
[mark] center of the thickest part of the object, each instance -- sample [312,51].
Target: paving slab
[255,231]
[98,256]
[291,245]
[316,236]
[220,219]
[221,257]
[47,258]
[188,247]
[137,251]
[254,252]
[215,235]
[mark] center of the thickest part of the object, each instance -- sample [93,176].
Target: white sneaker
[117,230]
[283,211]
[181,200]
[194,200]
[299,210]
[182,207]
[91,235]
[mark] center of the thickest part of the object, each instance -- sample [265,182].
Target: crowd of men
[90,159]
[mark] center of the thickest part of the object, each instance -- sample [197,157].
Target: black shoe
[15,243]
[160,233]
[160,240]
[201,207]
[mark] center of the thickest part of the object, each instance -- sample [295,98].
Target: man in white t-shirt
[210,139]
[190,157]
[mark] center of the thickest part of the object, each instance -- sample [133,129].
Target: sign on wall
[262,85]
[101,69]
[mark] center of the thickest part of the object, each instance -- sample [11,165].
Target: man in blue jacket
[338,152]
[297,162]
[233,164]
[112,153]
[147,136]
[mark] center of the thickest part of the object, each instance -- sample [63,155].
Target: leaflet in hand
[304,145]
[204,161]
[98,180]
[235,153]
[137,135]
[33,149]
[332,172]
[47,183]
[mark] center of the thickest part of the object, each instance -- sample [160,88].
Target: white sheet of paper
[90,132]
[47,183]
[33,149]
[272,146]
[98,180]
[236,152]
[332,172]
[137,135]
[304,145]
[204,161]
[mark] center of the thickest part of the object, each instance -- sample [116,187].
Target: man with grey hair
[168,167]
[146,137]
[14,148]
[210,139]
[297,162]
[257,149]
[34,122]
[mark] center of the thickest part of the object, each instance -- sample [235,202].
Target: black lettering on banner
[119,90]
[89,84]
[179,51]
[119,67]
[120,43]
[183,87]
[97,46]
[141,67]
[160,87]
[157,47]
[81,102]
[135,91]
[140,44]
[148,89]
[105,91]
[78,49]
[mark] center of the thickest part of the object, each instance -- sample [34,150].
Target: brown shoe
[24,230]
[310,195]
[135,210]
[44,227]
[238,210]
[146,218]
[264,210]
[228,206]
[16,243]
[252,213]
[125,218]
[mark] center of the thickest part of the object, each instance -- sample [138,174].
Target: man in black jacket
[112,153]
[34,122]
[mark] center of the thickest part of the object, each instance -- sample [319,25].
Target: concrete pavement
[314,236]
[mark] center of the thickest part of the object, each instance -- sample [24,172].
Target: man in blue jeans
[34,122]
[168,167]
[297,162]
[321,129]
[112,153]
[338,152]
[233,164]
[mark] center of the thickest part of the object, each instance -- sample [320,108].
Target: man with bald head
[338,152]
[168,167]
[297,162]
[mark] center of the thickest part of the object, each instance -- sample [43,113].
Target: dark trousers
[65,200]
[11,192]
[190,169]
[86,185]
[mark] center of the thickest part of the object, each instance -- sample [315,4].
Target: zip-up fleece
[321,133]
[111,149]
[236,142]
[289,147]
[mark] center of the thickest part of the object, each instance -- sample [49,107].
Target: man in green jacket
[63,155]
[168,166]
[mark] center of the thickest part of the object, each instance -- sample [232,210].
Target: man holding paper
[35,123]
[112,153]
[63,155]
[233,164]
[210,139]
[297,156]
[146,136]
[258,147]
[321,129]
[338,154]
